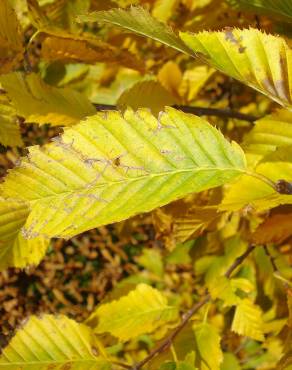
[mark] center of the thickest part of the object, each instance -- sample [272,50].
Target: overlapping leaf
[248,320]
[140,312]
[271,132]
[208,344]
[282,8]
[156,96]
[87,176]
[246,56]
[254,194]
[11,46]
[41,103]
[139,21]
[9,128]
[59,44]
[276,228]
[15,250]
[72,48]
[53,342]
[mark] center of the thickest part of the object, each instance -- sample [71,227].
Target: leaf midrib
[139,178]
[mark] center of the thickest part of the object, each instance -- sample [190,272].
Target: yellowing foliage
[140,312]
[194,272]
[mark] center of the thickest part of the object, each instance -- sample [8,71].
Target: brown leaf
[275,229]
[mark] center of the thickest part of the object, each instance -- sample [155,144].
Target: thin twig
[166,343]
[121,364]
[277,272]
[239,261]
[272,259]
[199,111]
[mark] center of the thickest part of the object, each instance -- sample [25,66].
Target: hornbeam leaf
[53,342]
[15,251]
[269,133]
[275,229]
[247,320]
[9,128]
[246,56]
[139,21]
[11,43]
[42,103]
[140,312]
[255,194]
[208,345]
[72,48]
[86,178]
[146,93]
[280,9]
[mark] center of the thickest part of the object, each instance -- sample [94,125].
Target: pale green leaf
[15,250]
[139,21]
[53,342]
[246,56]
[146,93]
[41,103]
[278,8]
[85,178]
[248,320]
[9,128]
[208,346]
[140,312]
[11,43]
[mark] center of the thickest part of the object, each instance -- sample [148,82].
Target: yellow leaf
[53,342]
[248,320]
[246,56]
[9,128]
[15,250]
[85,177]
[269,133]
[142,311]
[194,80]
[146,93]
[41,103]
[208,344]
[11,43]
[254,193]
[170,76]
[163,9]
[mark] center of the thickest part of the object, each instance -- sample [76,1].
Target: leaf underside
[281,9]
[139,21]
